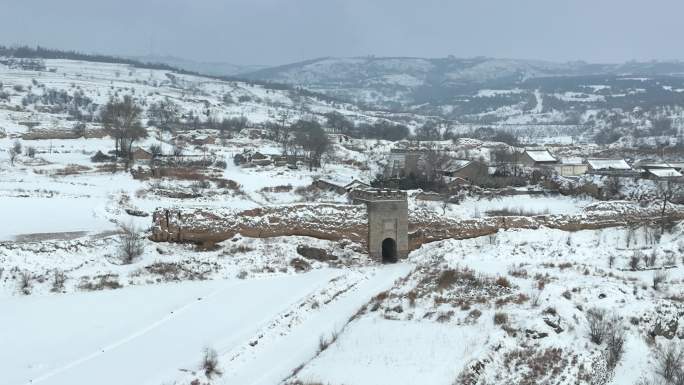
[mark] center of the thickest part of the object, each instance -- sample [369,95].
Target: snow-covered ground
[145,335]
[430,329]
[72,313]
[476,207]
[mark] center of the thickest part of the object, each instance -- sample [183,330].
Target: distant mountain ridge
[478,90]
[206,68]
[448,86]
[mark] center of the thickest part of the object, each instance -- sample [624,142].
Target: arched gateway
[389,250]
[387,223]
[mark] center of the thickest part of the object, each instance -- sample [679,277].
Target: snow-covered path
[268,365]
[140,335]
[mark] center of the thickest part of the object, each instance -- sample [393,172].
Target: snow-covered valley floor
[145,335]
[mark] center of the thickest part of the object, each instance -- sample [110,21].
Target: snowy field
[155,331]
[477,207]
[508,308]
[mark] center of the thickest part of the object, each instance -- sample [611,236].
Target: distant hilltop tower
[387,223]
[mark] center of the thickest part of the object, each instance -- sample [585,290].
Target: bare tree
[665,192]
[156,151]
[445,203]
[659,277]
[121,120]
[338,122]
[12,155]
[17,147]
[670,364]
[14,152]
[432,162]
[131,244]
[164,113]
[309,135]
[210,364]
[428,131]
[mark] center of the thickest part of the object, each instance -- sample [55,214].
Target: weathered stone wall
[331,222]
[337,222]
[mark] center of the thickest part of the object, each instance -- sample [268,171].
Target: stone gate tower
[387,223]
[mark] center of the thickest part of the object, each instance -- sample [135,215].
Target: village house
[338,138]
[570,167]
[464,169]
[615,167]
[254,133]
[140,153]
[658,170]
[662,174]
[340,187]
[402,162]
[537,158]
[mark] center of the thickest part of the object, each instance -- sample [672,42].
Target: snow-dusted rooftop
[540,155]
[456,164]
[572,160]
[608,164]
[665,172]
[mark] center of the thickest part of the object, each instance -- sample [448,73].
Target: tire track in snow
[127,339]
[271,365]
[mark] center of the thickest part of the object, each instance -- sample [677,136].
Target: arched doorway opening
[389,250]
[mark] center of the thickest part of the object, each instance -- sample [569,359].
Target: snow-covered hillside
[23,103]
[516,306]
[488,90]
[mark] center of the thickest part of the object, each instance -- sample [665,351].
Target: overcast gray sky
[283,31]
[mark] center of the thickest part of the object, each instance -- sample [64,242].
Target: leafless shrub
[324,343]
[515,212]
[25,282]
[58,280]
[210,364]
[565,265]
[598,325]
[615,343]
[634,260]
[238,249]
[448,278]
[503,282]
[17,147]
[100,282]
[535,300]
[175,271]
[300,264]
[12,156]
[517,272]
[659,277]
[474,314]
[670,364]
[131,244]
[412,296]
[500,318]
